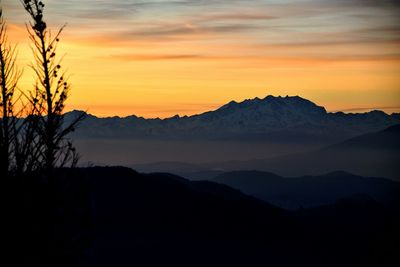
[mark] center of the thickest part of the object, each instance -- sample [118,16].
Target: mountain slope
[388,139]
[118,217]
[374,155]
[309,191]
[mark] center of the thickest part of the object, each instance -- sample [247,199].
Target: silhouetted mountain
[388,139]
[284,119]
[118,217]
[309,191]
[132,218]
[375,154]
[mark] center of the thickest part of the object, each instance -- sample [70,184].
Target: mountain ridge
[309,190]
[371,154]
[224,106]
[271,118]
[115,216]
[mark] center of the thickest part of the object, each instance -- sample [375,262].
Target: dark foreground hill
[309,191]
[118,217]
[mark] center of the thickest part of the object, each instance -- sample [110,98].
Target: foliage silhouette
[33,143]
[50,93]
[9,76]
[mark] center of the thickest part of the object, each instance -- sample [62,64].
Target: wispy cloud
[362,109]
[255,58]
[370,3]
[168,19]
[173,32]
[143,57]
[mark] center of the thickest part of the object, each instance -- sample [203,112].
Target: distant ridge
[232,105]
[374,154]
[309,191]
[280,119]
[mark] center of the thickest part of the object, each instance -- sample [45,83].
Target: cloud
[147,57]
[369,3]
[235,16]
[363,109]
[380,34]
[263,27]
[254,58]
[184,30]
[102,14]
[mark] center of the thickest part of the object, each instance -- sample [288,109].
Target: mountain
[309,191]
[272,118]
[374,154]
[388,139]
[252,129]
[118,217]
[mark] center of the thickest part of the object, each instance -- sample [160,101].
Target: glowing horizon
[162,58]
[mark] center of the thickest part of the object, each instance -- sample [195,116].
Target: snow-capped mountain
[271,118]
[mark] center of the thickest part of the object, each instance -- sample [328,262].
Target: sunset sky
[158,58]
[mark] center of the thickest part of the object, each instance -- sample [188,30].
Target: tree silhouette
[9,76]
[33,142]
[50,93]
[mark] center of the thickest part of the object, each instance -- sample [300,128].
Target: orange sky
[155,62]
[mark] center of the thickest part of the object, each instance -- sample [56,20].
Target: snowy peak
[289,118]
[271,104]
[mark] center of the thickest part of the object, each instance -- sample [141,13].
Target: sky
[158,58]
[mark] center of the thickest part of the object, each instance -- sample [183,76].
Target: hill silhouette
[309,191]
[118,217]
[387,139]
[374,154]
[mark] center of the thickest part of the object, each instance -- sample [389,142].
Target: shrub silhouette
[50,93]
[33,149]
[9,76]
[34,137]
